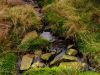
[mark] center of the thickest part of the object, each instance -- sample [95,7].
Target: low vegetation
[8,64]
[57,71]
[77,19]
[34,44]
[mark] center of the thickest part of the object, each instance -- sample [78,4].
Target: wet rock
[26,61]
[70,46]
[29,36]
[38,64]
[48,36]
[46,56]
[74,65]
[72,52]
[63,58]
[56,49]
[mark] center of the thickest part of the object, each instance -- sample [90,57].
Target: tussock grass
[20,19]
[78,19]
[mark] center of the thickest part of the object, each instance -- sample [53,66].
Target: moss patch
[8,64]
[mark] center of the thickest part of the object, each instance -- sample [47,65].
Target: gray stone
[48,36]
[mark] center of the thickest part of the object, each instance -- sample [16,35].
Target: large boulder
[63,58]
[74,65]
[26,61]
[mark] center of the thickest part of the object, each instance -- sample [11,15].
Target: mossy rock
[63,58]
[38,53]
[38,65]
[29,36]
[72,52]
[46,56]
[70,46]
[26,41]
[26,61]
[34,44]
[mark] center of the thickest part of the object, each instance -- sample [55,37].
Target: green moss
[7,64]
[55,21]
[52,17]
[57,71]
[34,44]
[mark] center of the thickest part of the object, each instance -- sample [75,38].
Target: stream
[59,45]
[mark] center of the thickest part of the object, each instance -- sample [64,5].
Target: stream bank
[59,52]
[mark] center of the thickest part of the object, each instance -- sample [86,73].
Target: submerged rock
[38,64]
[71,52]
[46,56]
[26,61]
[48,36]
[63,58]
[74,65]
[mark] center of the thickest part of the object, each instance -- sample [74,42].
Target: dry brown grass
[4,29]
[23,16]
